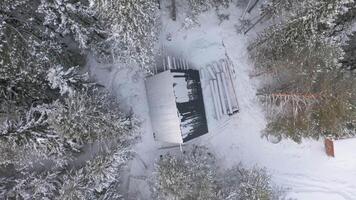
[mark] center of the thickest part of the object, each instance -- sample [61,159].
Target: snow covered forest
[74,118]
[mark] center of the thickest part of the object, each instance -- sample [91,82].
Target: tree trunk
[174,10]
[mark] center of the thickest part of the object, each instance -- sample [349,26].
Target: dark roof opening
[190,103]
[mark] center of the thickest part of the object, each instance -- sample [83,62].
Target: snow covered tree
[30,185]
[188,176]
[349,60]
[200,6]
[44,149]
[303,50]
[50,113]
[133,29]
[36,36]
[90,116]
[28,140]
[76,20]
[67,81]
[98,178]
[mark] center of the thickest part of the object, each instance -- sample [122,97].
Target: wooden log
[211,72]
[227,93]
[164,64]
[221,94]
[202,74]
[216,67]
[245,11]
[174,10]
[186,65]
[174,63]
[169,62]
[216,89]
[254,24]
[216,106]
[252,6]
[231,86]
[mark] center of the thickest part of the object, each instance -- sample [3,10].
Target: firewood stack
[222,88]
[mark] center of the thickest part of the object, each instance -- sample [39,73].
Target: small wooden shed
[176,105]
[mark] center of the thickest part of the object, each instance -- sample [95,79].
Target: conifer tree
[304,52]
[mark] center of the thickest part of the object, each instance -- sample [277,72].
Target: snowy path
[302,168]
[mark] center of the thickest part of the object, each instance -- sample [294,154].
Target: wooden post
[329,147]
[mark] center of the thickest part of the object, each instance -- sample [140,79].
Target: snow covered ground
[302,168]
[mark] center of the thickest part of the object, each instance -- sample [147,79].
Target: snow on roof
[176,105]
[163,109]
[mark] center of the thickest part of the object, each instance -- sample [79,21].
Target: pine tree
[133,29]
[304,51]
[38,35]
[349,59]
[200,6]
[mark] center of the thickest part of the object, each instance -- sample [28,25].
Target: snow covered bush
[309,96]
[191,175]
[195,175]
[240,183]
